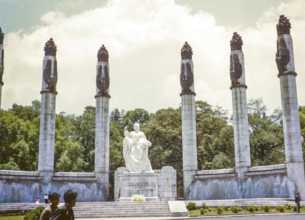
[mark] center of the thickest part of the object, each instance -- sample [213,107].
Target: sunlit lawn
[19,217]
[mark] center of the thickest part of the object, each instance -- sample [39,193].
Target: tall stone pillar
[102,123]
[240,113]
[47,114]
[290,107]
[1,63]
[188,110]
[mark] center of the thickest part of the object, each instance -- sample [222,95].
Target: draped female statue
[135,150]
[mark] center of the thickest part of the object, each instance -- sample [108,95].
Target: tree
[266,135]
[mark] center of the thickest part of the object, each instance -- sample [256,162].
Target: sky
[144,39]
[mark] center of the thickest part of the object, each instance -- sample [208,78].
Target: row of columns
[291,122]
[48,119]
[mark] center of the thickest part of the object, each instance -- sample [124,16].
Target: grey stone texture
[26,186]
[159,185]
[47,132]
[102,144]
[240,121]
[291,121]
[189,141]
[259,182]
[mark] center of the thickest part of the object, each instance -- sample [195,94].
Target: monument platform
[159,185]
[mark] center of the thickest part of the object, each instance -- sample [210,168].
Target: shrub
[250,208]
[266,208]
[137,198]
[280,209]
[294,208]
[234,209]
[203,205]
[202,211]
[191,206]
[219,210]
[34,214]
[226,208]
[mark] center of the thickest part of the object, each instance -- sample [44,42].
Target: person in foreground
[66,212]
[49,210]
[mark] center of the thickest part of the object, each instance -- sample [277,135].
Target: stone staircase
[121,209]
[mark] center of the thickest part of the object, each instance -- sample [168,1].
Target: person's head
[136,127]
[70,197]
[54,198]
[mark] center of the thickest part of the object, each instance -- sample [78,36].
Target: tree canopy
[75,137]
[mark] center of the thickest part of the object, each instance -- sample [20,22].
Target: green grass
[209,211]
[19,217]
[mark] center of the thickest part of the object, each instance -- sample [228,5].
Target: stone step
[122,209]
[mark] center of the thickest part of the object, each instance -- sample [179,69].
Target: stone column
[102,123]
[47,114]
[188,110]
[290,107]
[1,63]
[239,102]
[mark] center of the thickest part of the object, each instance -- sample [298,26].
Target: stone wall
[26,186]
[260,182]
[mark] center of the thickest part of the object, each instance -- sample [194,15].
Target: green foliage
[219,210]
[266,208]
[266,135]
[191,206]
[250,209]
[280,209]
[34,214]
[202,211]
[234,209]
[75,138]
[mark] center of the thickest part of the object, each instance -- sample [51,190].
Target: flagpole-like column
[47,114]
[188,110]
[290,107]
[102,123]
[239,102]
[1,63]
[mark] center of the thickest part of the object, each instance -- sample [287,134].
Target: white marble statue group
[135,150]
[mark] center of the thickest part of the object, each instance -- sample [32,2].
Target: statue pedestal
[159,185]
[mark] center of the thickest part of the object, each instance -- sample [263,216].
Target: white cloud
[144,39]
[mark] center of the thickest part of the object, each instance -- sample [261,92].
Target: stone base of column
[188,176]
[295,172]
[103,186]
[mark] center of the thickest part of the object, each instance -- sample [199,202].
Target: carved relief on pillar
[284,52]
[236,62]
[187,73]
[102,75]
[50,68]
[1,57]
[236,70]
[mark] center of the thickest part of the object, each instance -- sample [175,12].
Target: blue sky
[144,39]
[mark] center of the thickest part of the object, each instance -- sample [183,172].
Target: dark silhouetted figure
[66,212]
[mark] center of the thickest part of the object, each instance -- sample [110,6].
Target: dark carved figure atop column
[283,53]
[50,48]
[102,54]
[236,42]
[236,61]
[50,67]
[1,57]
[282,56]
[102,76]
[1,36]
[186,75]
[236,70]
[283,27]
